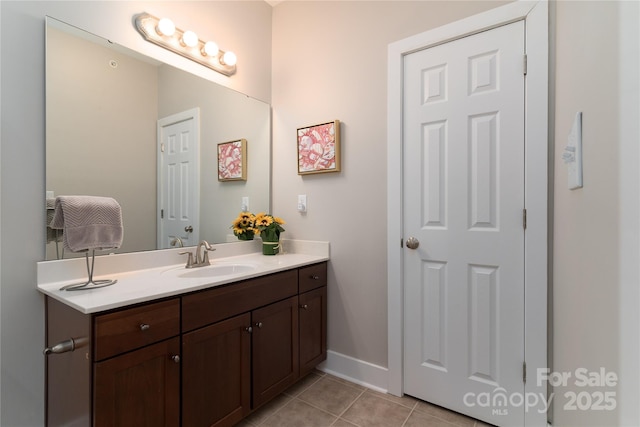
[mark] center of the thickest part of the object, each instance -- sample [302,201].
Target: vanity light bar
[186,43]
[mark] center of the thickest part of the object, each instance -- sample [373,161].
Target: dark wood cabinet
[216,373]
[205,358]
[139,388]
[274,349]
[312,299]
[313,329]
[263,334]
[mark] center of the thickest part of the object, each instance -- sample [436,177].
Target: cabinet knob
[259,324]
[144,326]
[314,277]
[248,329]
[175,358]
[304,306]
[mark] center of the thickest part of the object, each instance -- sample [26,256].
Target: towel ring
[90,283]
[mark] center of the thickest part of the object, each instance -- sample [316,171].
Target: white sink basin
[216,270]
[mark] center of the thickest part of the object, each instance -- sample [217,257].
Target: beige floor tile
[303,384]
[267,410]
[372,411]
[329,395]
[299,414]
[323,400]
[343,423]
[445,414]
[405,400]
[420,419]
[349,383]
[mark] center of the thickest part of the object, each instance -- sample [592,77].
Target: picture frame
[232,160]
[319,148]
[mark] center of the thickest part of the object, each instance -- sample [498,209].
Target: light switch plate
[244,207]
[574,147]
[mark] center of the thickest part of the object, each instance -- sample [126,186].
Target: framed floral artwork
[232,160]
[319,148]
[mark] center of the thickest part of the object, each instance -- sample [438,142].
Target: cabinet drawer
[312,277]
[128,329]
[206,307]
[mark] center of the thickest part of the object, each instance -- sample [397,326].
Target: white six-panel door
[178,180]
[463,131]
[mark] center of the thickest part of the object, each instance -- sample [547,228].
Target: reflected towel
[52,235]
[88,222]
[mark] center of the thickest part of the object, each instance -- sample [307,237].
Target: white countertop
[160,281]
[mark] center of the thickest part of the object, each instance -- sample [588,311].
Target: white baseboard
[357,371]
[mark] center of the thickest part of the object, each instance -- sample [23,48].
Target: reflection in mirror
[104,104]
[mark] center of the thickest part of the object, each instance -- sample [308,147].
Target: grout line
[388,399]
[316,407]
[350,405]
[277,410]
[345,383]
[338,417]
[408,416]
[302,390]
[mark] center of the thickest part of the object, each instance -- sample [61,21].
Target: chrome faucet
[198,261]
[177,241]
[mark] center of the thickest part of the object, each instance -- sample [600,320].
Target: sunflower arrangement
[268,226]
[243,226]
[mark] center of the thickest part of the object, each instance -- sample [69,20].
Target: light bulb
[210,49]
[189,38]
[166,27]
[229,58]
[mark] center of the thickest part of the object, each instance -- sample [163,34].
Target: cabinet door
[140,388]
[313,329]
[216,377]
[275,349]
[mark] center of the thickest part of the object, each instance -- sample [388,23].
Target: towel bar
[90,283]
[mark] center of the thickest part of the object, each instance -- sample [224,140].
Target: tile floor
[320,400]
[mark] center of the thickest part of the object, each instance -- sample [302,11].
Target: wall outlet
[244,206]
[302,203]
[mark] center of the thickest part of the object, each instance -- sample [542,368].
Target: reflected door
[463,202]
[178,183]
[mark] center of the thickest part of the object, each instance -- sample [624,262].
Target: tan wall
[330,62]
[595,262]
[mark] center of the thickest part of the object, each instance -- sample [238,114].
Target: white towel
[88,222]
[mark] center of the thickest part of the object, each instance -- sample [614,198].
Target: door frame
[190,114]
[535,15]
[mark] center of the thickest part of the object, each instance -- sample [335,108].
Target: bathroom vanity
[204,353]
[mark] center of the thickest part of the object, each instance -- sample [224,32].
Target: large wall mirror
[104,104]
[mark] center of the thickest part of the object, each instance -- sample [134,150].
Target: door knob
[188,229]
[413,243]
